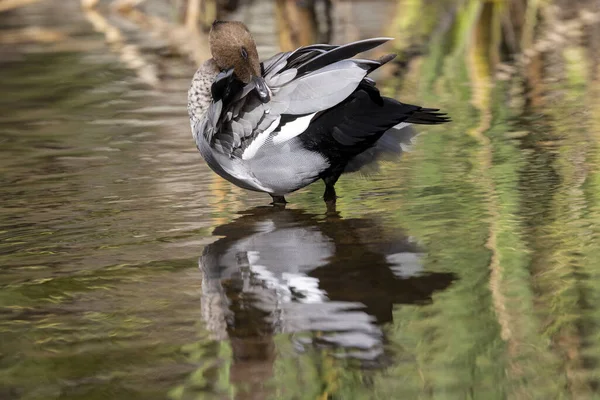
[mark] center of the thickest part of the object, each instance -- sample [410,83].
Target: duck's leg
[278,200]
[329,196]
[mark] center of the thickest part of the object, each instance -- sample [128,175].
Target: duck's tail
[394,141]
[428,116]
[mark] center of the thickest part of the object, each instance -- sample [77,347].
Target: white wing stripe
[293,129]
[402,125]
[260,140]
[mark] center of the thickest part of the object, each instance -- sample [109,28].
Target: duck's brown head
[232,46]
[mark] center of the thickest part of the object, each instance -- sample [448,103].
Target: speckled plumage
[199,96]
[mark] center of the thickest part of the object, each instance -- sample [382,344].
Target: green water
[467,269]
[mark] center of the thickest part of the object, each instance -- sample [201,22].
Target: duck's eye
[244,53]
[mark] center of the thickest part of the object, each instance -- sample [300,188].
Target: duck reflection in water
[286,271]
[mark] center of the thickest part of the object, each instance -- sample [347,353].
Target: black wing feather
[356,124]
[428,116]
[340,53]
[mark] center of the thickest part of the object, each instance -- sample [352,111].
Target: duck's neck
[199,95]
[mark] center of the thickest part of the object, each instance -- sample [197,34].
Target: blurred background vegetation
[505,197]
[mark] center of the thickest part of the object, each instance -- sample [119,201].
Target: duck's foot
[278,201]
[331,208]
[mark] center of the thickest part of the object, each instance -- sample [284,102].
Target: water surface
[468,269]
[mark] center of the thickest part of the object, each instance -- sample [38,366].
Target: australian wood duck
[300,116]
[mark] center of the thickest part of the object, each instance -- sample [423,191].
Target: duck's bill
[257,83]
[262,89]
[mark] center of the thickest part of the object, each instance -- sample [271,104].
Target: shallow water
[467,269]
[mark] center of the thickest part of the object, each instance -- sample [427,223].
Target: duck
[301,116]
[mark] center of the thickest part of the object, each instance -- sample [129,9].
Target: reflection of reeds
[30,34]
[6,5]
[567,339]
[481,58]
[296,24]
[185,39]
[563,274]
[129,54]
[190,43]
[541,286]
[124,5]
[554,32]
[192,14]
